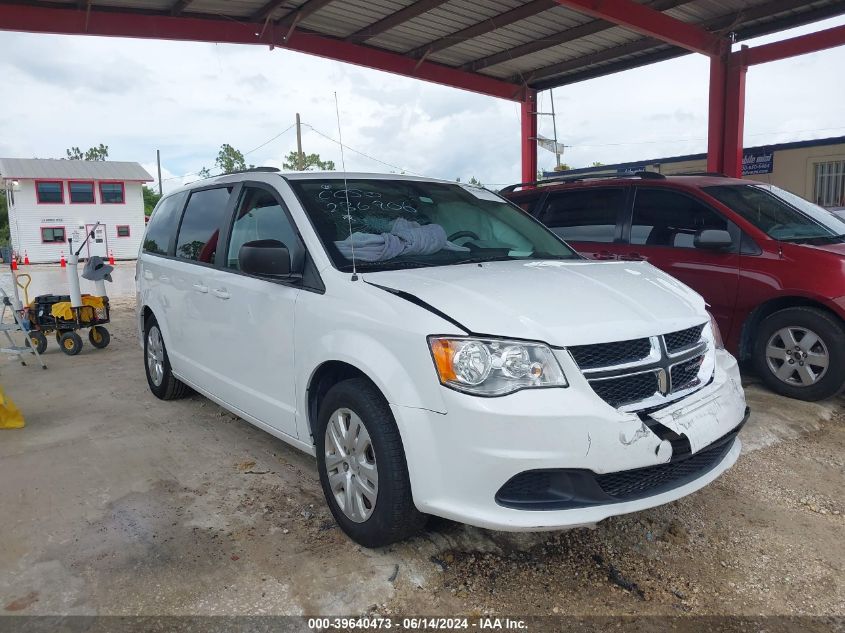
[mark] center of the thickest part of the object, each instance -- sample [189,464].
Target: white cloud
[186,99]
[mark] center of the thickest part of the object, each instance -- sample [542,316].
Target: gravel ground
[117,503]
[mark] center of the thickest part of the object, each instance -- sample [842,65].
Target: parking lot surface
[117,503]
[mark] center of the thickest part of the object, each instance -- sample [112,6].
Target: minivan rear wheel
[800,353]
[160,378]
[362,465]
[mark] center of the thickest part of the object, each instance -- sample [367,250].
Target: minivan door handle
[633,257]
[200,288]
[221,293]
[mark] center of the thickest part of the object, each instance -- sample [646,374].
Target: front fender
[381,335]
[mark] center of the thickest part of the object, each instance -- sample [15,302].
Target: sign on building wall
[757,161]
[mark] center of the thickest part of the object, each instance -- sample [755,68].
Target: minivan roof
[266,174]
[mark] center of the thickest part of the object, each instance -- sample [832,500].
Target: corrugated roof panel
[69,169]
[149,5]
[233,8]
[341,19]
[441,22]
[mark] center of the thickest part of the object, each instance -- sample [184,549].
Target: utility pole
[158,162]
[554,126]
[300,157]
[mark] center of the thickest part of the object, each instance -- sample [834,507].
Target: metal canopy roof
[535,44]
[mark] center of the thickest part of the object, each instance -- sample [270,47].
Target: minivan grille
[609,354]
[620,391]
[624,373]
[676,341]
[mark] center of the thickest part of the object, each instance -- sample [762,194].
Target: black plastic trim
[573,488]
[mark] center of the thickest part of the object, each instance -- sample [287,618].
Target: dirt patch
[122,504]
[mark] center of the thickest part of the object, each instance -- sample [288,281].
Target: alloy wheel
[351,465]
[155,355]
[797,356]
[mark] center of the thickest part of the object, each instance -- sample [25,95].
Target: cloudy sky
[186,99]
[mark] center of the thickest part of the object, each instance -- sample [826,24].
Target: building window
[830,184]
[112,193]
[49,192]
[50,234]
[123,230]
[81,192]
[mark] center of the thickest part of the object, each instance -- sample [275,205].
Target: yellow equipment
[10,416]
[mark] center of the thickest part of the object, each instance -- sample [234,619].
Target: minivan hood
[558,302]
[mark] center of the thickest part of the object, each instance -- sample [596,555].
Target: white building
[52,201]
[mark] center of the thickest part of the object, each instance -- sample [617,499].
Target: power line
[254,149]
[365,155]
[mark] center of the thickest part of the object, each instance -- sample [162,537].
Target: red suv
[770,264]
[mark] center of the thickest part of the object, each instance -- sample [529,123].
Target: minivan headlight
[718,343]
[494,367]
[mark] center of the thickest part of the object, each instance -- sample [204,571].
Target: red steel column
[529,136]
[716,116]
[734,114]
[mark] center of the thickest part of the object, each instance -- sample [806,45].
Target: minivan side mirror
[265,258]
[713,239]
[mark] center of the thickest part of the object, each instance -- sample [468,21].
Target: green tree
[228,161]
[563,167]
[303,162]
[475,181]
[151,198]
[597,164]
[99,152]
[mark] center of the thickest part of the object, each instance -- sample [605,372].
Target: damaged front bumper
[555,458]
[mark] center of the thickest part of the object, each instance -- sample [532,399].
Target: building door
[99,244]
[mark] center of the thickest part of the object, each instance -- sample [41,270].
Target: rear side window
[667,218]
[260,217]
[200,228]
[588,215]
[162,226]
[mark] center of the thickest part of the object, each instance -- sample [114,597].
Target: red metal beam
[716,116]
[734,117]
[642,19]
[37,19]
[794,46]
[528,129]
[727,113]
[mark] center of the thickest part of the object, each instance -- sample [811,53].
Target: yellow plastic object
[10,416]
[23,285]
[63,309]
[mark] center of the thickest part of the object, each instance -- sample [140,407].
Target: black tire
[70,343]
[394,516]
[832,336]
[99,336]
[37,340]
[170,387]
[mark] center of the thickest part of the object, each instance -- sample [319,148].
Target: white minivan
[437,349]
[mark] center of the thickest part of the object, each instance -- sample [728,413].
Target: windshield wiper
[388,265]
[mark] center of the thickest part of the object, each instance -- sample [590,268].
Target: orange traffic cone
[14,263]
[111,258]
[25,258]
[63,263]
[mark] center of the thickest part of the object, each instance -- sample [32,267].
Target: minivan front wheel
[362,466]
[160,378]
[800,353]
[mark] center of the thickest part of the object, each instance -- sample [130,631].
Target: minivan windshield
[400,223]
[781,214]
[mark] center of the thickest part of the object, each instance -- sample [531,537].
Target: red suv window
[587,215]
[667,218]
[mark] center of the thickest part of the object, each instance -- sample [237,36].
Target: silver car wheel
[797,356]
[351,465]
[155,355]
